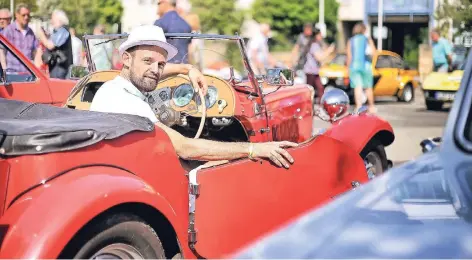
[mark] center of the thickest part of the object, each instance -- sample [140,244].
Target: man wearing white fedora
[144,55]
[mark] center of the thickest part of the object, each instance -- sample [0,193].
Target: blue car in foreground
[421,209]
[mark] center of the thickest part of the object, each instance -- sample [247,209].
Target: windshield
[459,57]
[340,59]
[211,56]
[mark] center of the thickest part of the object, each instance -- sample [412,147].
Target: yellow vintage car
[392,77]
[440,87]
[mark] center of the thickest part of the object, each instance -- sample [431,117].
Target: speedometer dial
[183,95]
[210,97]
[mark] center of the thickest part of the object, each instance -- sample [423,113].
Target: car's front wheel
[433,105]
[375,159]
[120,236]
[408,94]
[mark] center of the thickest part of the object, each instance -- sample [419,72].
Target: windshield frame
[214,37]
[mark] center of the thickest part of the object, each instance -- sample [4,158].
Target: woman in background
[360,66]
[314,58]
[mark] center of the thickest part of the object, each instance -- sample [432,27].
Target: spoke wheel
[118,251]
[375,158]
[374,164]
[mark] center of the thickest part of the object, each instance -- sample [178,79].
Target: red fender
[357,130]
[44,220]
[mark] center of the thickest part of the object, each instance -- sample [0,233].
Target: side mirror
[335,104]
[280,77]
[77,72]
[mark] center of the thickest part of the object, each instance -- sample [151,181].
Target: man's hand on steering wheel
[198,80]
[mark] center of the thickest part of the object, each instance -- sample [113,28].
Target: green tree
[219,15]
[459,12]
[222,17]
[287,17]
[31,3]
[85,14]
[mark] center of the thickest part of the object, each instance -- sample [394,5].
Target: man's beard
[147,83]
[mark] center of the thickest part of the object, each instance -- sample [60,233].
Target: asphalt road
[411,123]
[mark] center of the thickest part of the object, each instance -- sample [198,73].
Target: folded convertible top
[31,128]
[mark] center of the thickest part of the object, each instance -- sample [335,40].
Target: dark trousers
[314,80]
[58,72]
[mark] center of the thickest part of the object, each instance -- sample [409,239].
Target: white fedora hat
[148,35]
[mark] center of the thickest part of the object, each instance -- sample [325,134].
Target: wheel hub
[118,251]
[408,94]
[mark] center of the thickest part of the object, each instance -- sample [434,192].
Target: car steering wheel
[203,109]
[168,115]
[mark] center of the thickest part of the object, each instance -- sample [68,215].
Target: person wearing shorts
[360,67]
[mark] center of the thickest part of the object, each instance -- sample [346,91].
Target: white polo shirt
[121,96]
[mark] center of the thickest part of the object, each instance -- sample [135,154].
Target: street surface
[411,124]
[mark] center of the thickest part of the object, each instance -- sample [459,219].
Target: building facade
[400,18]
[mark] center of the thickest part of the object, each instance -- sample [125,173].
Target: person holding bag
[314,56]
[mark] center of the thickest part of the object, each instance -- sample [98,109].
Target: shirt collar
[130,88]
[15,26]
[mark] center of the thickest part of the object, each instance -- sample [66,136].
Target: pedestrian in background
[5,18]
[77,48]
[301,47]
[442,52]
[258,50]
[183,8]
[360,67]
[314,57]
[58,54]
[171,22]
[23,38]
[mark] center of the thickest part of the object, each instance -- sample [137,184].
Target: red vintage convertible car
[82,184]
[28,83]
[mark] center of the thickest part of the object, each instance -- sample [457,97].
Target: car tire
[408,94]
[433,105]
[119,236]
[374,153]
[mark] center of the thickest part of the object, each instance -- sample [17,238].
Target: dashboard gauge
[210,97]
[183,95]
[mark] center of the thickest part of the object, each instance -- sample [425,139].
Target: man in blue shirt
[59,45]
[442,52]
[171,22]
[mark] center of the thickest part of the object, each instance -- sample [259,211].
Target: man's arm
[59,38]
[195,76]
[372,46]
[206,150]
[448,50]
[348,54]
[38,61]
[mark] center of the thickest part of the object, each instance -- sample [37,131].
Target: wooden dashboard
[82,95]
[224,105]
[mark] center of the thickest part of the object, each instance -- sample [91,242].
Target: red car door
[23,81]
[240,201]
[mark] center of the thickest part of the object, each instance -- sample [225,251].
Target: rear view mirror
[77,72]
[280,77]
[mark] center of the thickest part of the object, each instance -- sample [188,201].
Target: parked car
[26,82]
[419,210]
[83,184]
[440,87]
[392,77]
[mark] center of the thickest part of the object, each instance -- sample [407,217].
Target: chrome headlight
[183,95]
[210,97]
